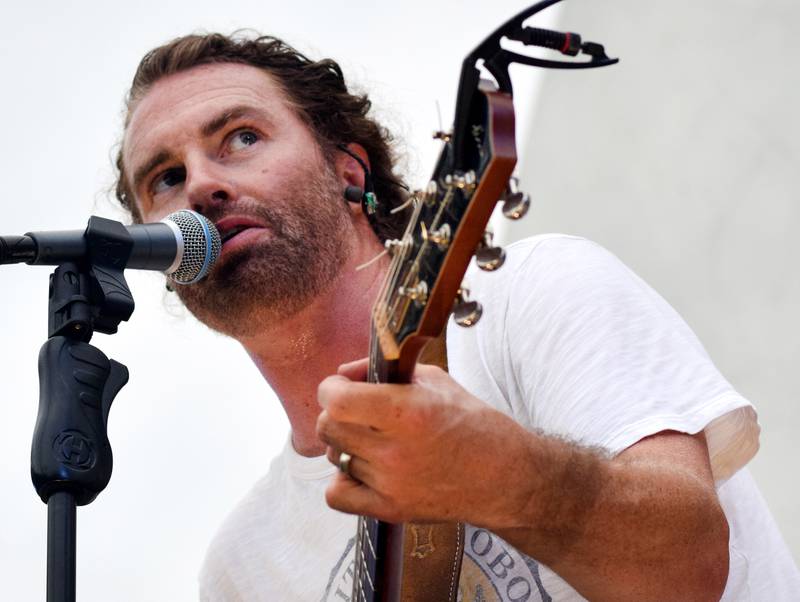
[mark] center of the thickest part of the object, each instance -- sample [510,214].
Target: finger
[352,437]
[428,373]
[358,469]
[356,370]
[369,404]
[353,497]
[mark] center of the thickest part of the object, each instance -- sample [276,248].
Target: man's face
[222,140]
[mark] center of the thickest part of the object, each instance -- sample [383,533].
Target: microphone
[184,245]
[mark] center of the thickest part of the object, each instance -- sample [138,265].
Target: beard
[307,243]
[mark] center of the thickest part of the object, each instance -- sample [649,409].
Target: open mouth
[226,235]
[237,231]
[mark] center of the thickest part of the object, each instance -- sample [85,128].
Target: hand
[425,451]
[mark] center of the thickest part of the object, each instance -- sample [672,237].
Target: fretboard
[378,549]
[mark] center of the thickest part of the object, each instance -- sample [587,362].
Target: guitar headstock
[446,229]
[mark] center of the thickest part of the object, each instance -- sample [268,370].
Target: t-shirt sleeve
[598,357]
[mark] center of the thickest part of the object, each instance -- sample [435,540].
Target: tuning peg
[466,313]
[417,293]
[440,237]
[487,257]
[516,203]
[466,182]
[431,194]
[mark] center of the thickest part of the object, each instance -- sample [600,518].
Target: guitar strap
[432,552]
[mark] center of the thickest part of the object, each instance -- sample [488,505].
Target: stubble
[280,274]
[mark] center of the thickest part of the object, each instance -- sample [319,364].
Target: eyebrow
[209,128]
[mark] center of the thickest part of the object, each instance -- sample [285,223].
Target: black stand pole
[71,457]
[61,519]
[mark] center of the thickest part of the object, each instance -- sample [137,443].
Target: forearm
[645,525]
[630,528]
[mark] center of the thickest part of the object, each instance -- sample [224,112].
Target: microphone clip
[93,295]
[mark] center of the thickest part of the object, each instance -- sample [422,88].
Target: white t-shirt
[574,344]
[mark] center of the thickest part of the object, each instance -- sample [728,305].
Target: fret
[357,568]
[366,573]
[371,547]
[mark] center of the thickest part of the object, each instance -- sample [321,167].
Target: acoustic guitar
[424,282]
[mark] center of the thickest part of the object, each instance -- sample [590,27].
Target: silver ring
[344,462]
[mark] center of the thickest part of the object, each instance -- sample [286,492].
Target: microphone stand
[71,458]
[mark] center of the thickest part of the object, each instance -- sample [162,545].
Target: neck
[333,329]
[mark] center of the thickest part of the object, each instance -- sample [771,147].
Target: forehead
[186,98]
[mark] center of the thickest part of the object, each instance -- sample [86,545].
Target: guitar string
[408,238]
[414,269]
[360,569]
[363,533]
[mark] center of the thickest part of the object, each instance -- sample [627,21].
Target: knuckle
[337,407]
[323,424]
[429,372]
[328,430]
[330,389]
[332,498]
[420,415]
[337,402]
[332,456]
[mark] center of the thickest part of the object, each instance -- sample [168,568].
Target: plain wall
[684,160]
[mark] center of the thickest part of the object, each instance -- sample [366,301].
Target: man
[591,446]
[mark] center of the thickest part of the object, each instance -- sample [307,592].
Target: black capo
[497,59]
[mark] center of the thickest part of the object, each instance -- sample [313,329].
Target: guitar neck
[379,545]
[378,561]
[422,282]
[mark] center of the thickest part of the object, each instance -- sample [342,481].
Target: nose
[207,185]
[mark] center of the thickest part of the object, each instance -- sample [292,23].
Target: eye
[168,179]
[243,138]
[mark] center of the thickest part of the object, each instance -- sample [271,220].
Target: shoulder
[555,275]
[551,258]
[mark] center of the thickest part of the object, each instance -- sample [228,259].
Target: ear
[348,170]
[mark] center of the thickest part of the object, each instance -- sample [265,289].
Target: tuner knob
[490,258]
[516,203]
[466,313]
[487,257]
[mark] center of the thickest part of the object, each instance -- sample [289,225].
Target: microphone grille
[201,246]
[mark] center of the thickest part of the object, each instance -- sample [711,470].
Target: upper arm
[678,451]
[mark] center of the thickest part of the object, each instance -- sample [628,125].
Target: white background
[196,425]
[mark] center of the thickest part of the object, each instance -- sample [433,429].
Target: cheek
[155,214]
[273,177]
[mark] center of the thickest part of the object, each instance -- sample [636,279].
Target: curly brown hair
[316,90]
